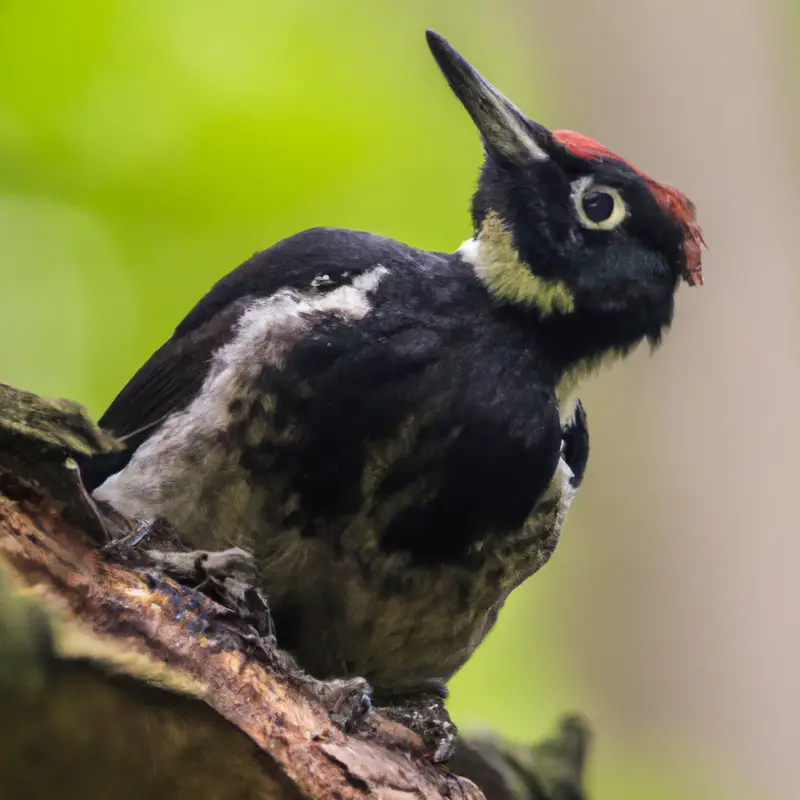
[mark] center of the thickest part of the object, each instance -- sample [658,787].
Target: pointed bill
[505,130]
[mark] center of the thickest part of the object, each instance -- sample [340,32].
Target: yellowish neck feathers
[496,262]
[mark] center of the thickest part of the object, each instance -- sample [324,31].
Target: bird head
[567,228]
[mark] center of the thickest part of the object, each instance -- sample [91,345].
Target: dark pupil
[598,206]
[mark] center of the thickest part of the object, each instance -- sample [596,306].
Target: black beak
[506,132]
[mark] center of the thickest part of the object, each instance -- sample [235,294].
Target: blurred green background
[149,146]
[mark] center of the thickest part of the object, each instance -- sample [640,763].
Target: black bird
[390,431]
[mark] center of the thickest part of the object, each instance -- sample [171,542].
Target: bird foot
[575,444]
[425,714]
[347,701]
[127,547]
[203,565]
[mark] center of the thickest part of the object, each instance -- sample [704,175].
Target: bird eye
[599,207]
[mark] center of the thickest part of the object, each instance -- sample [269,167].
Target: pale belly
[341,604]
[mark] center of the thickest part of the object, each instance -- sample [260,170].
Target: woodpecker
[393,433]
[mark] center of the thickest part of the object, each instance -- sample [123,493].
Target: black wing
[174,374]
[171,377]
[166,383]
[334,253]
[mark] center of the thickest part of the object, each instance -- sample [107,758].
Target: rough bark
[118,681]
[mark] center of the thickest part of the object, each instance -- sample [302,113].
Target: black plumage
[383,426]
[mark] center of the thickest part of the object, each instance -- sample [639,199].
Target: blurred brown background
[148,146]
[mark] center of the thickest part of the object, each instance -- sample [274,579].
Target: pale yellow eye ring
[599,207]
